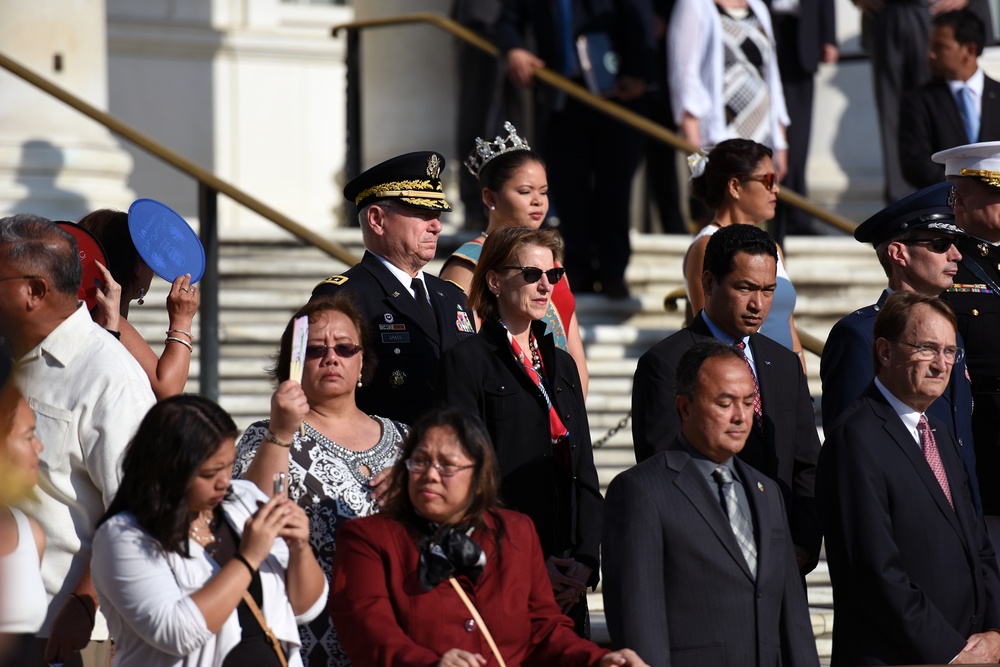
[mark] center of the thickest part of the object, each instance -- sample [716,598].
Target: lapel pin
[760,487]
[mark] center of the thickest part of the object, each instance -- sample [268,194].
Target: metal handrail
[627,116]
[179,162]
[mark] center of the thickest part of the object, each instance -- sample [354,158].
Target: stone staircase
[263,283]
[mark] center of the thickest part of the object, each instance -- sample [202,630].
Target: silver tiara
[487,150]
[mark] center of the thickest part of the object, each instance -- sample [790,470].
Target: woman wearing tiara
[515,194]
[737,180]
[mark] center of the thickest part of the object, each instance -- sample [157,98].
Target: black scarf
[447,551]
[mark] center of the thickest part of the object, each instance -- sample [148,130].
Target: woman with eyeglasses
[515,193]
[445,577]
[192,568]
[334,455]
[527,391]
[737,180]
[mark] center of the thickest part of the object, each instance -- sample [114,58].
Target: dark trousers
[798,87]
[591,161]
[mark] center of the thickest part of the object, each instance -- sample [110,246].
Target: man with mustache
[914,240]
[739,282]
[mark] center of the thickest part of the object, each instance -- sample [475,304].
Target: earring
[360,384]
[142,293]
[493,208]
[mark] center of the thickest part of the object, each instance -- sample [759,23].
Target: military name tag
[395,338]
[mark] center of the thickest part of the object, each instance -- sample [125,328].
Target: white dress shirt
[89,395]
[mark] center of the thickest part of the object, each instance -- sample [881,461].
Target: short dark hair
[967,26]
[689,366]
[174,440]
[500,249]
[895,314]
[110,227]
[341,302]
[475,441]
[500,169]
[732,158]
[731,239]
[39,246]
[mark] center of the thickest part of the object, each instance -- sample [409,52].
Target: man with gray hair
[89,395]
[413,316]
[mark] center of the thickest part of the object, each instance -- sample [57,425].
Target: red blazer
[383,617]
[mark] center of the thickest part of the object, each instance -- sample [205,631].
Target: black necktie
[421,297]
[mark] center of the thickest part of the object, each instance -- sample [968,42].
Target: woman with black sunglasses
[738,181]
[527,391]
[334,455]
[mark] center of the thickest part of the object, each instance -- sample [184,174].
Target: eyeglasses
[767,180]
[19,277]
[342,350]
[928,352]
[939,245]
[533,274]
[420,466]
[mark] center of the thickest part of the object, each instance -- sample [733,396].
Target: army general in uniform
[413,316]
[975,298]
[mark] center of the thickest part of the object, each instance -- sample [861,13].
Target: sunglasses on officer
[938,245]
[533,274]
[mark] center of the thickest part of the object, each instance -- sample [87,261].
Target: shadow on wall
[38,170]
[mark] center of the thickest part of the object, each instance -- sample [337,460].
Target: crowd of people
[424,490]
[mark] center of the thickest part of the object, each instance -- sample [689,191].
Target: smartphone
[280,483]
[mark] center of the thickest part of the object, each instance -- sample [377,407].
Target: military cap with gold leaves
[413,179]
[977,161]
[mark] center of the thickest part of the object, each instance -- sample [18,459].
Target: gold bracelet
[171,339]
[272,438]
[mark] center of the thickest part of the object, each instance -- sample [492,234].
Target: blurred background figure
[959,105]
[444,524]
[514,189]
[187,564]
[22,542]
[127,279]
[591,158]
[737,180]
[527,391]
[333,453]
[805,33]
[723,77]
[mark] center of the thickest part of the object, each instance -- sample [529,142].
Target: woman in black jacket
[528,394]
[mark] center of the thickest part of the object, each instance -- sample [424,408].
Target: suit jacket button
[470,625]
[558,390]
[501,388]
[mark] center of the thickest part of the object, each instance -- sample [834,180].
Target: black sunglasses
[533,274]
[939,245]
[342,350]
[767,180]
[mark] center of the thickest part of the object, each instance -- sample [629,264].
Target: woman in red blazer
[394,599]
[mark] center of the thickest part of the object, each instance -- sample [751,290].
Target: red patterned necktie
[928,444]
[758,412]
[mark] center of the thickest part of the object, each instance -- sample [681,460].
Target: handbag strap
[479,619]
[271,638]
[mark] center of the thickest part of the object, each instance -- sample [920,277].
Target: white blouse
[145,594]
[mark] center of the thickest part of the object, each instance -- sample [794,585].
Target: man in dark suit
[914,575]
[934,117]
[698,561]
[805,34]
[739,281]
[914,240]
[413,316]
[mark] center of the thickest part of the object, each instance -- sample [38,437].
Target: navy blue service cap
[931,209]
[413,179]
